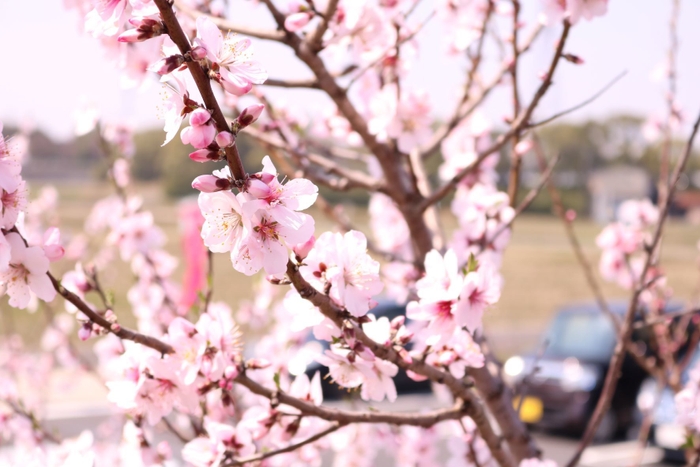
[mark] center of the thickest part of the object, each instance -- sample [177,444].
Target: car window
[586,336]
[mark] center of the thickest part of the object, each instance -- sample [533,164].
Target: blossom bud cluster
[259,225]
[23,268]
[206,356]
[623,244]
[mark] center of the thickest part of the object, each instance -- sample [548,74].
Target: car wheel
[607,428]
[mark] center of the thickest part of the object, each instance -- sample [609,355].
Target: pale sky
[50,67]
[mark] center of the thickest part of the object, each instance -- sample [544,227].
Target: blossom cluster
[623,244]
[23,267]
[259,225]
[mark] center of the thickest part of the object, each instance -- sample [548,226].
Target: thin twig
[517,125]
[292,447]
[595,96]
[616,360]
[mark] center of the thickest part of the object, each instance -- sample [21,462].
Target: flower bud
[264,177]
[199,117]
[296,21]
[302,250]
[198,53]
[257,188]
[249,115]
[167,64]
[575,59]
[523,147]
[210,184]
[204,155]
[225,139]
[199,136]
[144,29]
[397,322]
[85,331]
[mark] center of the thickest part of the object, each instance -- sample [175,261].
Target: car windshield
[584,335]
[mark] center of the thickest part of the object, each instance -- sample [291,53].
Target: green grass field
[539,269]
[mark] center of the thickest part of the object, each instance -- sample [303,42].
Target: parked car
[561,383]
[404,384]
[665,431]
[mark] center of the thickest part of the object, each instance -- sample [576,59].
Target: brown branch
[203,84]
[458,387]
[595,96]
[316,37]
[114,328]
[229,26]
[468,105]
[292,447]
[423,419]
[529,198]
[626,330]
[289,83]
[516,127]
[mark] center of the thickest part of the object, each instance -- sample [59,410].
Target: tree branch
[226,25]
[424,419]
[292,447]
[613,374]
[516,127]
[114,328]
[460,390]
[203,84]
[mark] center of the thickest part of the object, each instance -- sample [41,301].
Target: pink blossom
[52,244]
[237,72]
[201,132]
[175,97]
[341,263]
[10,166]
[136,234]
[296,21]
[555,11]
[249,115]
[482,288]
[224,227]
[12,204]
[26,273]
[223,439]
[638,213]
[297,194]
[270,240]
[344,372]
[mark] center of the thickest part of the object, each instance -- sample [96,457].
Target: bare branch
[581,105]
[301,83]
[517,125]
[114,328]
[613,374]
[469,104]
[546,175]
[229,26]
[292,447]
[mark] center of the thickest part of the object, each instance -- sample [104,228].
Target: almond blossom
[224,227]
[10,166]
[235,70]
[223,444]
[27,273]
[340,264]
[11,204]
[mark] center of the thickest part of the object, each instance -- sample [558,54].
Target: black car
[404,384]
[562,392]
